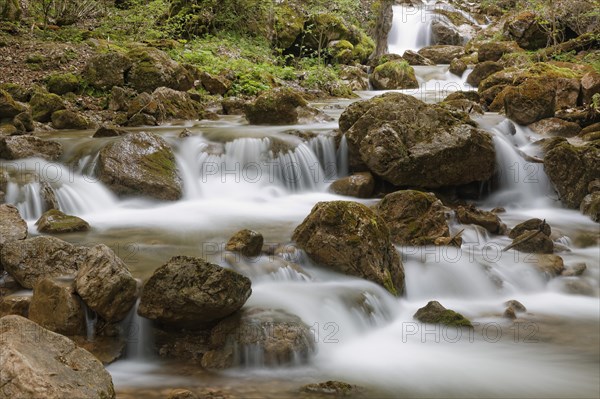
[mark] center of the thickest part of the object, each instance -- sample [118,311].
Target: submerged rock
[259,337]
[56,222]
[247,242]
[189,292]
[435,313]
[36,362]
[350,238]
[414,217]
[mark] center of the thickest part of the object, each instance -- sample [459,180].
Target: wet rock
[48,196]
[359,185]
[529,102]
[530,224]
[488,220]
[105,284]
[435,313]
[17,147]
[43,105]
[457,67]
[482,71]
[578,286]
[269,337]
[533,241]
[575,270]
[275,107]
[448,241]
[153,68]
[527,31]
[463,95]
[555,127]
[56,307]
[414,58]
[24,122]
[413,217]
[65,119]
[190,292]
[571,168]
[350,238]
[493,51]
[444,32]
[409,143]
[56,222]
[37,362]
[36,258]
[442,54]
[140,164]
[590,85]
[516,305]
[109,131]
[103,71]
[215,84]
[509,313]
[63,83]
[247,242]
[15,304]
[590,206]
[549,264]
[467,106]
[175,104]
[394,75]
[12,226]
[335,388]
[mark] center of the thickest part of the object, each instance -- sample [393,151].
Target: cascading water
[411,28]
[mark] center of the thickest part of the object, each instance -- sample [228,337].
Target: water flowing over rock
[56,222]
[410,143]
[17,147]
[33,259]
[414,217]
[140,164]
[190,292]
[259,337]
[350,238]
[12,226]
[36,362]
[105,284]
[435,313]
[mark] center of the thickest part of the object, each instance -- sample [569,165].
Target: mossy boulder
[189,292]
[288,24]
[56,222]
[394,75]
[530,102]
[350,238]
[24,122]
[275,107]
[493,50]
[66,119]
[571,168]
[527,30]
[17,147]
[414,217]
[482,71]
[175,104]
[555,127]
[142,164]
[410,143]
[359,185]
[443,31]
[435,313]
[103,71]
[153,68]
[9,108]
[457,67]
[247,242]
[63,83]
[43,105]
[215,84]
[442,54]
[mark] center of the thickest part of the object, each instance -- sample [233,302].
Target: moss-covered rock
[571,168]
[394,75]
[275,107]
[350,238]
[590,206]
[9,108]
[247,242]
[63,83]
[442,54]
[494,50]
[140,164]
[414,217]
[482,71]
[103,71]
[530,102]
[66,119]
[43,105]
[488,220]
[56,222]
[409,143]
[174,104]
[457,67]
[414,58]
[435,313]
[153,68]
[527,30]
[215,84]
[10,10]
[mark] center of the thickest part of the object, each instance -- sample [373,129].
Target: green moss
[388,284]
[451,318]
[63,83]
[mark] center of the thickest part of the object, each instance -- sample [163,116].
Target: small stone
[516,305]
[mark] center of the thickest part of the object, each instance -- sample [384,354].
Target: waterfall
[411,28]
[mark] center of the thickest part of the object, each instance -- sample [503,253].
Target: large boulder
[414,217]
[55,306]
[17,147]
[33,259]
[482,71]
[270,337]
[190,292]
[444,32]
[63,83]
[530,102]
[12,226]
[66,119]
[526,29]
[9,108]
[359,185]
[435,313]
[275,107]
[394,75]
[555,127]
[153,68]
[350,238]
[56,222]
[140,163]
[247,242]
[43,105]
[175,104]
[571,168]
[105,284]
[493,51]
[442,54]
[409,143]
[215,84]
[38,363]
[103,71]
